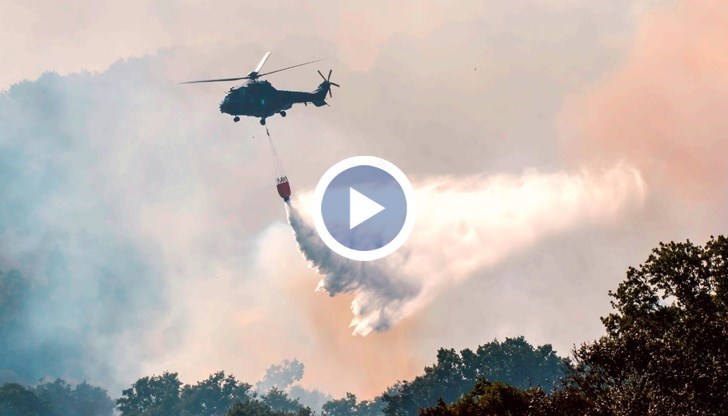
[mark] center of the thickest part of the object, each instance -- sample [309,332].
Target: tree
[513,361]
[500,399]
[152,396]
[251,408]
[16,400]
[311,398]
[486,399]
[280,376]
[348,406]
[517,363]
[81,400]
[373,407]
[92,401]
[568,401]
[258,408]
[213,396]
[56,398]
[279,401]
[59,396]
[665,351]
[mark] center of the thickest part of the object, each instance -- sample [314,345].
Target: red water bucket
[284,190]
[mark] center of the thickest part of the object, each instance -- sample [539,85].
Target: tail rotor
[327,82]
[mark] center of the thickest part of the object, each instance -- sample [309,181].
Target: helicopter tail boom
[316,97]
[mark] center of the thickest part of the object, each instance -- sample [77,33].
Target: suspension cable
[276,160]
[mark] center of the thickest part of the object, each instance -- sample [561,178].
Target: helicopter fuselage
[258,98]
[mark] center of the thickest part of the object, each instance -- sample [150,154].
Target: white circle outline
[404,232]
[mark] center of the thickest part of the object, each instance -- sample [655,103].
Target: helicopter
[258,98]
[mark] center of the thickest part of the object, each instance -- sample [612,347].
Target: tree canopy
[513,361]
[57,398]
[213,396]
[664,352]
[218,395]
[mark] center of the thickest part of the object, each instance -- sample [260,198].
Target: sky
[551,145]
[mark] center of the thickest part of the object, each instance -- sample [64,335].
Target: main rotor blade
[290,67]
[322,75]
[329,77]
[334,84]
[262,62]
[214,80]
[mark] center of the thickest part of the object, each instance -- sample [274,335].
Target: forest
[663,352]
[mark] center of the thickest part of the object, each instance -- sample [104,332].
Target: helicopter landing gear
[283,113]
[262,122]
[236,119]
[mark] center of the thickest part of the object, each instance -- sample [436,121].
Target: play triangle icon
[361,208]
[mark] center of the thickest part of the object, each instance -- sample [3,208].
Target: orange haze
[665,109]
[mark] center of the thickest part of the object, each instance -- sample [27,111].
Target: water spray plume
[465,226]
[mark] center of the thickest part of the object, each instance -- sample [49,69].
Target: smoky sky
[78,181]
[145,228]
[85,286]
[126,205]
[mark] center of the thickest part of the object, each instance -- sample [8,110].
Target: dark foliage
[348,406]
[279,401]
[213,396]
[513,361]
[152,396]
[499,399]
[257,408]
[57,398]
[568,401]
[16,400]
[217,395]
[485,399]
[82,400]
[665,351]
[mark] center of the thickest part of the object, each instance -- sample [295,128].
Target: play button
[361,208]
[364,208]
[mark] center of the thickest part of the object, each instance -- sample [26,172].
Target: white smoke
[464,225]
